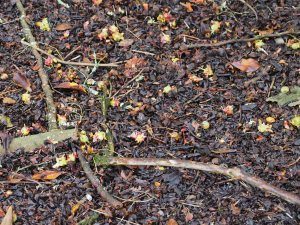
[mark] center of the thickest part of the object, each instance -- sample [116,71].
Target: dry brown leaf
[46,175]
[199,2]
[97,2]
[246,65]
[171,222]
[8,218]
[8,100]
[126,42]
[188,6]
[134,65]
[63,27]
[71,86]
[22,81]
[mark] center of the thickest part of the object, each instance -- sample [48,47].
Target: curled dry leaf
[63,27]
[9,217]
[97,2]
[71,86]
[246,65]
[22,81]
[46,175]
[171,222]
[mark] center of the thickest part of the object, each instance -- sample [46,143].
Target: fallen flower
[138,136]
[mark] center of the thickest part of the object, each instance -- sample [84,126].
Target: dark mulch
[180,194]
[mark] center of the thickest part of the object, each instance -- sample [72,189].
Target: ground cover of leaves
[171,97]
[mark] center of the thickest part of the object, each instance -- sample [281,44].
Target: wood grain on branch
[235,173]
[96,182]
[231,41]
[51,109]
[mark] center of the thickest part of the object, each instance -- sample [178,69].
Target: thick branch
[235,173]
[231,41]
[96,182]
[51,109]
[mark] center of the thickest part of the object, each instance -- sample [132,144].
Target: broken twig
[234,172]
[96,182]
[231,41]
[51,109]
[35,47]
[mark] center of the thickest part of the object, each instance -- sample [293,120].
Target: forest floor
[168,101]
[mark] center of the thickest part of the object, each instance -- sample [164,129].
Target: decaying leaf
[22,81]
[187,6]
[5,120]
[165,38]
[46,175]
[291,98]
[71,86]
[167,89]
[8,100]
[126,42]
[99,136]
[247,65]
[25,130]
[208,71]
[171,222]
[9,217]
[134,65]
[83,137]
[97,2]
[63,27]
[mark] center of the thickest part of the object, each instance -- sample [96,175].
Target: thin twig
[250,7]
[51,109]
[234,172]
[96,182]
[35,47]
[231,41]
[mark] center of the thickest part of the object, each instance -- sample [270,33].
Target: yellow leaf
[208,71]
[258,44]
[175,135]
[44,24]
[205,125]
[215,26]
[296,121]
[270,119]
[25,130]
[262,127]
[139,137]
[167,89]
[26,98]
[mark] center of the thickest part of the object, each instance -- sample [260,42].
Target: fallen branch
[234,173]
[36,48]
[231,41]
[96,182]
[51,109]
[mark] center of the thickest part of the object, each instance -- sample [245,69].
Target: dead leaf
[247,65]
[71,86]
[199,2]
[8,218]
[188,6]
[134,65]
[97,2]
[46,175]
[8,100]
[171,222]
[63,27]
[126,42]
[22,81]
[235,210]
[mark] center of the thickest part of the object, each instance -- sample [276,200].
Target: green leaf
[296,121]
[292,98]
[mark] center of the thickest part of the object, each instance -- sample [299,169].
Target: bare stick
[234,172]
[231,41]
[35,47]
[96,182]
[250,7]
[51,109]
